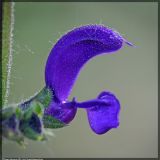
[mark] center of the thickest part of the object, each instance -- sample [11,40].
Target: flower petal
[73,50]
[60,112]
[102,118]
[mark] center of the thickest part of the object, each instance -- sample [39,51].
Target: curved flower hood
[73,50]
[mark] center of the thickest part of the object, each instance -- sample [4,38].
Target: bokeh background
[132,74]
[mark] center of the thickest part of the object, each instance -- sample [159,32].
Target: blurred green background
[132,74]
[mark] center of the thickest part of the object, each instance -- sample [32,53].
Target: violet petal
[60,112]
[73,50]
[102,118]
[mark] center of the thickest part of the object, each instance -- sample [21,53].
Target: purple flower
[50,107]
[66,59]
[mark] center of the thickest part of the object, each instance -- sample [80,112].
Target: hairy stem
[7,48]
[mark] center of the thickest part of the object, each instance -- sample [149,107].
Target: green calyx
[51,122]
[31,126]
[44,97]
[10,124]
[29,119]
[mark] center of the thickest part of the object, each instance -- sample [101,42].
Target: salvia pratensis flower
[50,108]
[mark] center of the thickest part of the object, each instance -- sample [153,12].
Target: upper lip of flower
[66,59]
[73,50]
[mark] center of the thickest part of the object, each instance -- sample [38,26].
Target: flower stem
[7,48]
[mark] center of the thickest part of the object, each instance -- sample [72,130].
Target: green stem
[7,48]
